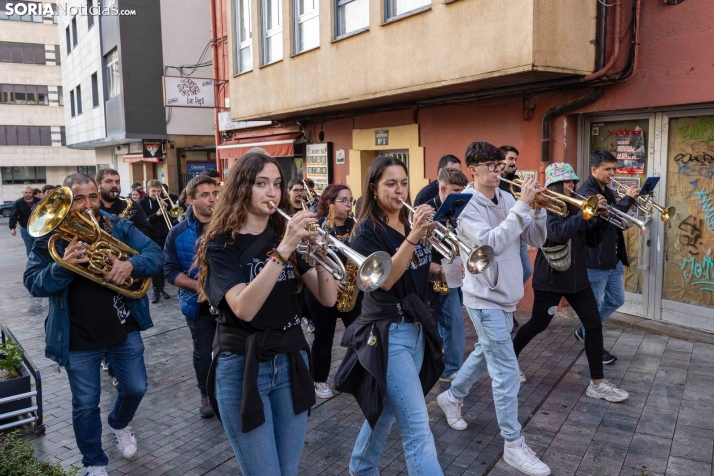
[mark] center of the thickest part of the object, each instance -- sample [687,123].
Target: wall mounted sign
[381,137]
[317,157]
[189,92]
[152,148]
[226,124]
[340,157]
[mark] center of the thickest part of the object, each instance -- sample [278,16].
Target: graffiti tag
[701,272]
[691,233]
[701,159]
[706,205]
[702,130]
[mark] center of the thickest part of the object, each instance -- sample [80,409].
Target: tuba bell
[55,213]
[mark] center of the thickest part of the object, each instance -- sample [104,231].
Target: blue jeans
[525,262]
[451,320]
[29,240]
[404,402]
[609,289]
[202,330]
[274,448]
[84,376]
[493,353]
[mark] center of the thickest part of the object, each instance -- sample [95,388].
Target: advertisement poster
[318,164]
[630,152]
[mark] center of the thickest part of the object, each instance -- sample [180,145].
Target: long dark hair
[370,209]
[328,197]
[230,212]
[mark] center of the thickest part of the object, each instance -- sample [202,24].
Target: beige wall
[450,47]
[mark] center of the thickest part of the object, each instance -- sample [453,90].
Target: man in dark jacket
[20,213]
[109,183]
[432,190]
[88,321]
[180,250]
[606,262]
[152,204]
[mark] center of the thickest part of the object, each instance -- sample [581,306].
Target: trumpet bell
[176,212]
[590,207]
[50,213]
[668,213]
[375,269]
[480,259]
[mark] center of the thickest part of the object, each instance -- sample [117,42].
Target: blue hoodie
[179,251]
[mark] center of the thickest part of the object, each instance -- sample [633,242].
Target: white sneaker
[323,390]
[452,411]
[520,456]
[126,442]
[606,390]
[115,382]
[96,471]
[105,367]
[522,377]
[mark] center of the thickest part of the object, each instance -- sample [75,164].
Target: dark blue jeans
[84,381]
[27,239]
[202,329]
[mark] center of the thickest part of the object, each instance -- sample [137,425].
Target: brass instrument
[310,194]
[347,299]
[444,240]
[129,211]
[55,213]
[441,288]
[645,203]
[557,202]
[372,271]
[622,220]
[175,211]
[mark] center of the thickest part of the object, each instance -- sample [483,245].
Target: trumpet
[557,203]
[645,203]
[372,271]
[622,220]
[444,240]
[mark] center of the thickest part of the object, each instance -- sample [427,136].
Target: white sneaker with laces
[323,390]
[126,442]
[522,377]
[606,390]
[520,456]
[452,411]
[96,471]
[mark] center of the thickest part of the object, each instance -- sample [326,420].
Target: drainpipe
[214,49]
[615,43]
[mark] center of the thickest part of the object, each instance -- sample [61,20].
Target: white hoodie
[501,227]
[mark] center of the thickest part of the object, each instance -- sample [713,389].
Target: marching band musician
[109,183]
[569,280]
[394,351]
[88,322]
[156,208]
[339,198]
[260,383]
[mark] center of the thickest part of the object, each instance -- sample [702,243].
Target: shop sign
[189,92]
[195,168]
[631,152]
[340,157]
[152,148]
[226,124]
[381,137]
[317,157]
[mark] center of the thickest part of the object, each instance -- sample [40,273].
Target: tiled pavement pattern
[666,427]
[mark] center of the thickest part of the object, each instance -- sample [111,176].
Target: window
[352,15]
[58,57]
[20,96]
[112,62]
[79,99]
[90,170]
[244,36]
[23,175]
[69,40]
[95,91]
[40,55]
[307,25]
[272,31]
[46,136]
[71,102]
[31,94]
[400,7]
[5,52]
[43,97]
[26,135]
[90,17]
[33,12]
[63,136]
[29,53]
[74,31]
[60,96]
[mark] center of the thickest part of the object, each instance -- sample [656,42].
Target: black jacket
[363,372]
[21,211]
[160,229]
[582,235]
[427,193]
[137,215]
[612,248]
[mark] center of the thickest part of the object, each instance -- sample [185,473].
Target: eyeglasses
[345,201]
[295,190]
[494,166]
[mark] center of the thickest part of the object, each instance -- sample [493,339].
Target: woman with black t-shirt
[394,351]
[260,384]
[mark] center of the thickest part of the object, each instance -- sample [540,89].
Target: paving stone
[648,452]
[686,467]
[693,443]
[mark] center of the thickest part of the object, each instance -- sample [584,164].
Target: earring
[375,197]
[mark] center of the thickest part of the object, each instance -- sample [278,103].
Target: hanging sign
[318,164]
[630,152]
[152,148]
[189,92]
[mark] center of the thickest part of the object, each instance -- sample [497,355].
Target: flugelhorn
[372,271]
[621,219]
[444,240]
[645,203]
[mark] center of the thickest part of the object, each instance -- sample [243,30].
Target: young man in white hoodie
[495,218]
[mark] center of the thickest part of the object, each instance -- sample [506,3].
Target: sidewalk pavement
[666,427]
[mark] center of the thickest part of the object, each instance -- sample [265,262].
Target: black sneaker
[164,294]
[608,358]
[155,297]
[578,334]
[206,409]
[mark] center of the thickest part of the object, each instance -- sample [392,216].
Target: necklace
[251,232]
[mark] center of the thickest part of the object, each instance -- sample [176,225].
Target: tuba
[55,213]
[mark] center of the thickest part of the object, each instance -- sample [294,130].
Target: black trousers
[158,281]
[585,306]
[325,321]
[203,328]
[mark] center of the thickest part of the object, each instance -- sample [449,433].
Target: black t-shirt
[342,233]
[370,237]
[98,316]
[228,268]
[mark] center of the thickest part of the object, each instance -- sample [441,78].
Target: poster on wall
[318,164]
[630,152]
[627,182]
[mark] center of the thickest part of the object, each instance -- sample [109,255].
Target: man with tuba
[156,209]
[606,262]
[451,320]
[88,321]
[109,183]
[496,219]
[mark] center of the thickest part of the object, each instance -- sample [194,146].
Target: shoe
[115,382]
[105,367]
[452,411]
[155,297]
[608,358]
[606,390]
[520,456]
[450,378]
[323,390]
[522,377]
[164,294]
[126,442]
[96,471]
[206,409]
[310,326]
[578,334]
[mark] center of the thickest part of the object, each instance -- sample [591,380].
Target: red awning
[277,145]
[139,158]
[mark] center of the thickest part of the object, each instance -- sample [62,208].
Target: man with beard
[88,321]
[20,213]
[180,251]
[109,184]
[154,206]
[296,192]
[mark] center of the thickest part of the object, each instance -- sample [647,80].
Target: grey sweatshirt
[501,227]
